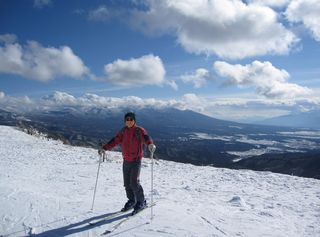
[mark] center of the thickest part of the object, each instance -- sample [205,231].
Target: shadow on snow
[80,226]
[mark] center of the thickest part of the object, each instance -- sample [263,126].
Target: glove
[101,151]
[152,148]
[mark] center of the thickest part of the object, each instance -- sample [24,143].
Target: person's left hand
[101,151]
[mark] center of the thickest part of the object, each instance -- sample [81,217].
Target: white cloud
[146,70]
[267,79]
[271,3]
[60,98]
[193,102]
[37,62]
[172,84]
[41,3]
[306,12]
[227,28]
[102,13]
[8,38]
[199,78]
[106,13]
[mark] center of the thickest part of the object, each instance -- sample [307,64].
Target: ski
[109,217]
[117,225]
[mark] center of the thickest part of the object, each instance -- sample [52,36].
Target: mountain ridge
[183,136]
[299,120]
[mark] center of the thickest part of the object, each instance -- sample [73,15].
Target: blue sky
[236,60]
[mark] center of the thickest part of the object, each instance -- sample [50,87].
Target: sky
[229,59]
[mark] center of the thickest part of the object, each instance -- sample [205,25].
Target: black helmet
[130,115]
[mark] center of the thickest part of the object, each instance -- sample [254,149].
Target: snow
[46,189]
[298,141]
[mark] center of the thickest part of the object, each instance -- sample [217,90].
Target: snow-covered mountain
[301,120]
[46,189]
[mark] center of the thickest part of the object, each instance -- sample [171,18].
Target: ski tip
[106,232]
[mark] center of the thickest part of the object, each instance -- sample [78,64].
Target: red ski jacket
[131,141]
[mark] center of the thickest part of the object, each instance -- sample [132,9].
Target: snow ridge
[46,189]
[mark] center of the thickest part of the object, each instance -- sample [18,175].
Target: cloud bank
[236,108]
[37,62]
[268,80]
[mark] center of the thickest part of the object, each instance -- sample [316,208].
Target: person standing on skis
[131,138]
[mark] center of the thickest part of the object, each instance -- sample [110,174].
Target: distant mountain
[180,135]
[303,120]
[8,118]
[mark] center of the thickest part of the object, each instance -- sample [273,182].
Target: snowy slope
[46,189]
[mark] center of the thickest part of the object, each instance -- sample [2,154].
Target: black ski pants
[131,173]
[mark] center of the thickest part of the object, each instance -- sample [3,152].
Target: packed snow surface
[46,189]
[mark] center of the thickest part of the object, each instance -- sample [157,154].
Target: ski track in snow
[46,189]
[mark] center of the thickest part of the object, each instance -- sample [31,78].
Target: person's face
[129,122]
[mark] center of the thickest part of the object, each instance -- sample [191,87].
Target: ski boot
[129,205]
[139,207]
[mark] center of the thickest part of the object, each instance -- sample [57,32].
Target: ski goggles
[129,119]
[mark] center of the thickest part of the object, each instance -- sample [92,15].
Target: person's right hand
[152,148]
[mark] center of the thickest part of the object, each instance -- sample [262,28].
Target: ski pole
[95,188]
[151,156]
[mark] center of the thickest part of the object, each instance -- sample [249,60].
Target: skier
[132,138]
